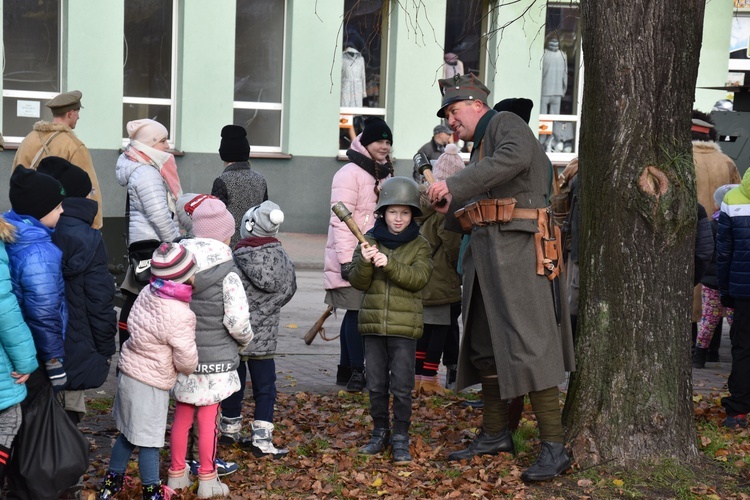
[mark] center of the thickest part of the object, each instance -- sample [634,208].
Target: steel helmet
[399,191]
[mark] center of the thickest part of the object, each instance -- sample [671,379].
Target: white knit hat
[147,131]
[449,163]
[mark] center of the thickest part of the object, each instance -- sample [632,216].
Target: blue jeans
[263,377]
[148,460]
[390,367]
[352,350]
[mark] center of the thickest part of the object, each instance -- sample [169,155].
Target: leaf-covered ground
[324,431]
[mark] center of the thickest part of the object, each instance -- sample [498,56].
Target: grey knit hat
[262,220]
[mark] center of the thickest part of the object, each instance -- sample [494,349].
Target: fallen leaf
[618,482]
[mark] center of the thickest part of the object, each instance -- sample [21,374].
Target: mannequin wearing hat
[56,138]
[453,65]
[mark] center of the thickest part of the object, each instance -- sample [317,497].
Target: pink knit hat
[448,164]
[211,219]
[147,131]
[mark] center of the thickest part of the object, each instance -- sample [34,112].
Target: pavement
[312,368]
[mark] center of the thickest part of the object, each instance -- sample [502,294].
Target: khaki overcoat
[65,145]
[532,352]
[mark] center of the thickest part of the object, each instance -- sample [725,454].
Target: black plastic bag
[51,452]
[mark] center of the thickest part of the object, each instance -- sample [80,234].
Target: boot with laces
[356,381]
[552,461]
[378,442]
[486,443]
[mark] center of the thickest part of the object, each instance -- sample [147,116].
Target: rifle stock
[318,326]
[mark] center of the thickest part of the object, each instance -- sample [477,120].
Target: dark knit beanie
[34,194]
[234,146]
[375,130]
[74,179]
[519,106]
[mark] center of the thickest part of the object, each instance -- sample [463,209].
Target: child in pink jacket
[161,345]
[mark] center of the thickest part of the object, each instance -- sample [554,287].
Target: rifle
[318,328]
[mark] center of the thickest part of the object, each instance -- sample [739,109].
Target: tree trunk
[631,396]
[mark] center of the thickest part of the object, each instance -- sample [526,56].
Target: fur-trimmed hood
[705,147]
[7,231]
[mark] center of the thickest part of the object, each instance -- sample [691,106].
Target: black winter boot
[356,381]
[111,485]
[401,453]
[343,374]
[153,491]
[486,444]
[378,442]
[699,357]
[552,461]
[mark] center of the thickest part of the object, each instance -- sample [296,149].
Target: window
[463,38]
[561,82]
[148,62]
[31,73]
[363,65]
[258,72]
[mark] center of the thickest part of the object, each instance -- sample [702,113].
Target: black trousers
[738,401]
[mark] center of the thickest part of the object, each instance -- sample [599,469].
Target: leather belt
[490,211]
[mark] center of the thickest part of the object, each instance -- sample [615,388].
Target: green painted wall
[205,92]
[714,61]
[515,62]
[93,64]
[415,49]
[313,77]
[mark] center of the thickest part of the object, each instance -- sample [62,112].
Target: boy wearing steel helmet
[392,268]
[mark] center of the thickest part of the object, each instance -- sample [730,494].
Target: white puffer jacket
[150,216]
[162,341]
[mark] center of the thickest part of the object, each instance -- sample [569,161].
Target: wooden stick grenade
[345,216]
[318,327]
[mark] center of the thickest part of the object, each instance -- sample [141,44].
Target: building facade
[300,75]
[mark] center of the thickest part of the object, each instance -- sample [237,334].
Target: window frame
[172,100]
[35,95]
[385,58]
[268,105]
[561,157]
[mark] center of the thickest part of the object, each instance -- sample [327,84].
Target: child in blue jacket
[36,275]
[17,353]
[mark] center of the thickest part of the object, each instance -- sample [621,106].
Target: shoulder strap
[43,149]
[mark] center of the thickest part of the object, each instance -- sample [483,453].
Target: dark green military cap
[67,101]
[461,88]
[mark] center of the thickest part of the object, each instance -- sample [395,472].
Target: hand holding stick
[424,167]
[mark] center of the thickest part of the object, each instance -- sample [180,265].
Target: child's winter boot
[431,386]
[230,427]
[261,441]
[111,485]
[153,491]
[179,478]
[210,486]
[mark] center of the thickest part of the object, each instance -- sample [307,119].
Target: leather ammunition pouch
[547,240]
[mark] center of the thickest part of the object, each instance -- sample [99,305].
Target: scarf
[389,240]
[377,170]
[255,241]
[166,289]
[163,162]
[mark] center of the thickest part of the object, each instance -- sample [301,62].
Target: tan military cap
[67,101]
[461,88]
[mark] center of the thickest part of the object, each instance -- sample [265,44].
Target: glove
[727,301]
[345,268]
[56,374]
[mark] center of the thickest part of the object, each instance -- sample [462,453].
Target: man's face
[463,117]
[443,138]
[73,118]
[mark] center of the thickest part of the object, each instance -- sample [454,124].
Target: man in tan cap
[56,138]
[517,339]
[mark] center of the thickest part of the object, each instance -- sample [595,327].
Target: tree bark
[631,396]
